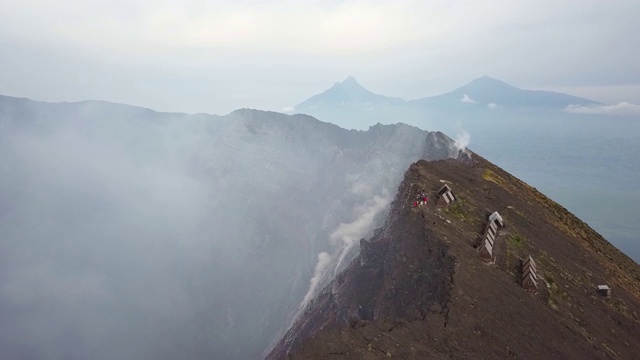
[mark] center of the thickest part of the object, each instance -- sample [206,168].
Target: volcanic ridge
[420,289]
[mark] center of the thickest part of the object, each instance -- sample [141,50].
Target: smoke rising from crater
[462,139]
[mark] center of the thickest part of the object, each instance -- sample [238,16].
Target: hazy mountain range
[482,91]
[350,105]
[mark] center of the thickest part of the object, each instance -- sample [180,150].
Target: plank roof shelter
[486,250]
[491,229]
[528,262]
[446,193]
[496,219]
[529,274]
[529,282]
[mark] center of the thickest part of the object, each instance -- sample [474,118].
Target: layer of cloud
[620,109]
[466,99]
[289,110]
[492,106]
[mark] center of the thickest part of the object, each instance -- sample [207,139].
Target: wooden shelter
[446,193]
[485,250]
[604,290]
[496,219]
[529,274]
[491,230]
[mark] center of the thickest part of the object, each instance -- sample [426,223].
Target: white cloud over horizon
[619,109]
[466,99]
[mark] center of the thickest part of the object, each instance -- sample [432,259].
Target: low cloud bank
[620,109]
[466,99]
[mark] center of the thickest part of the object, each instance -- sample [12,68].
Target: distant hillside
[418,289]
[489,92]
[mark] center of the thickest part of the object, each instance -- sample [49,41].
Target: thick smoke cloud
[132,234]
[94,228]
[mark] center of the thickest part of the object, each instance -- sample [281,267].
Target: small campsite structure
[529,274]
[604,290]
[446,193]
[485,249]
[496,219]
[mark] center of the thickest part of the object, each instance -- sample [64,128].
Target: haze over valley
[192,180]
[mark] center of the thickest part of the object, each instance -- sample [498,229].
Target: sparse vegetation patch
[516,241]
[457,209]
[491,176]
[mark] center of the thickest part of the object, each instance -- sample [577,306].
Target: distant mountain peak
[348,91]
[487,81]
[350,80]
[350,84]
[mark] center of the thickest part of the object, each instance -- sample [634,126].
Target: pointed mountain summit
[489,92]
[487,82]
[349,105]
[349,91]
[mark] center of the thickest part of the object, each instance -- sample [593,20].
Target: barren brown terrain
[418,289]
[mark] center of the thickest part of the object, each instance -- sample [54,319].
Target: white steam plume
[343,239]
[321,269]
[462,140]
[347,235]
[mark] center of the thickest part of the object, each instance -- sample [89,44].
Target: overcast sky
[217,56]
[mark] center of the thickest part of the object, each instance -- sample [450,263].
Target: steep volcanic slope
[418,289]
[130,234]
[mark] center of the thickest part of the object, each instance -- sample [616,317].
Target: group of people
[421,199]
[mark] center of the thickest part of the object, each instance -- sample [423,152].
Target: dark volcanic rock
[419,290]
